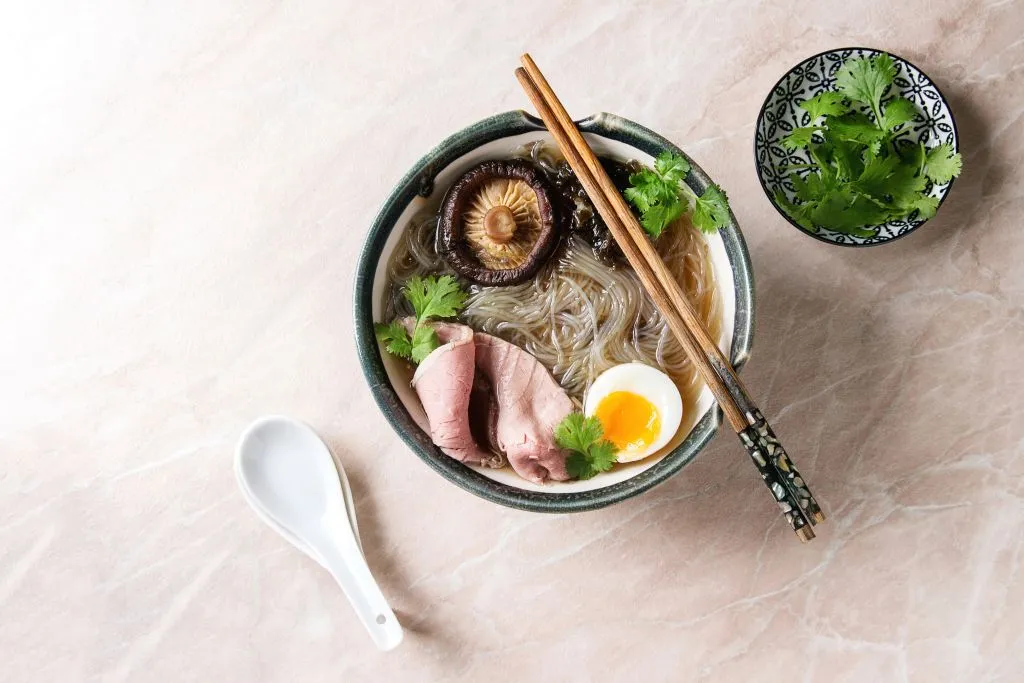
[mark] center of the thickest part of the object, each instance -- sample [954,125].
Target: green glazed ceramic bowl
[421,188]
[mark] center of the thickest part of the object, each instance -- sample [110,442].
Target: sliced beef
[530,405]
[444,382]
[484,396]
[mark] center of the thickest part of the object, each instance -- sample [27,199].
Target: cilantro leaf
[603,455]
[711,210]
[904,183]
[855,127]
[888,180]
[822,155]
[890,184]
[800,213]
[867,79]
[424,340]
[912,154]
[394,338]
[659,217]
[848,159]
[877,172]
[671,167]
[827,102]
[661,196]
[806,189]
[434,297]
[576,432]
[942,164]
[800,137]
[925,206]
[431,297]
[899,111]
[656,193]
[586,465]
[577,465]
[844,210]
[590,453]
[640,197]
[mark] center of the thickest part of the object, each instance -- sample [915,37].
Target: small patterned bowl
[781,113]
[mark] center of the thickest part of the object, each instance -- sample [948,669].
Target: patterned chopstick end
[781,477]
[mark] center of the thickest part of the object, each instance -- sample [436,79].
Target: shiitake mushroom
[498,223]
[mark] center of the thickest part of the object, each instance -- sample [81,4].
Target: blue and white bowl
[781,113]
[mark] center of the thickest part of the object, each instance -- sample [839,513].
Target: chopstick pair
[776,469]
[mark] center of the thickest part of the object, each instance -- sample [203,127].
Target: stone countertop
[185,191]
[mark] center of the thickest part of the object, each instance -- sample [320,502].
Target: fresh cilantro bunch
[431,297]
[861,175]
[661,196]
[590,452]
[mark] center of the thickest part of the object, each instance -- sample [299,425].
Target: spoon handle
[343,559]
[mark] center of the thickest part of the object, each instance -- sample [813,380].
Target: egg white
[650,383]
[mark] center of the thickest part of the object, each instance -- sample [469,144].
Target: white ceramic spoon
[288,476]
[257,506]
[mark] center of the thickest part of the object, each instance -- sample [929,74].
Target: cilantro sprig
[661,196]
[431,297]
[861,174]
[591,453]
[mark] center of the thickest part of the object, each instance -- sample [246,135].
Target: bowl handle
[586,124]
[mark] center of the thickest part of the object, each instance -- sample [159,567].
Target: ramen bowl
[422,188]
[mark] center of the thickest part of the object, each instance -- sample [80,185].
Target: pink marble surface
[185,187]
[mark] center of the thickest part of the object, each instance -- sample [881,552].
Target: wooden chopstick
[636,232]
[776,469]
[632,251]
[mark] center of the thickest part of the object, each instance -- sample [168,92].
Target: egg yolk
[630,421]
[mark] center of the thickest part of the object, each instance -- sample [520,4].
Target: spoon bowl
[289,470]
[254,502]
[288,476]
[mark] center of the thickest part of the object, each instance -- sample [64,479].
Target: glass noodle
[579,316]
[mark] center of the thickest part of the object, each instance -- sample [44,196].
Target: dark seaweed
[578,212]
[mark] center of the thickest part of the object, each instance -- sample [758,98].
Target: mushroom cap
[497,223]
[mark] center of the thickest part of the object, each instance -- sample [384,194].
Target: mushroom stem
[500,224]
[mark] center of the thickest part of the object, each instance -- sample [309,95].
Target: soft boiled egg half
[639,408]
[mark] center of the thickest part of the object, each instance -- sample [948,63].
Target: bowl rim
[418,181]
[764,106]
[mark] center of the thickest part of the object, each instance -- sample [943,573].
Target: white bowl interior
[398,375]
